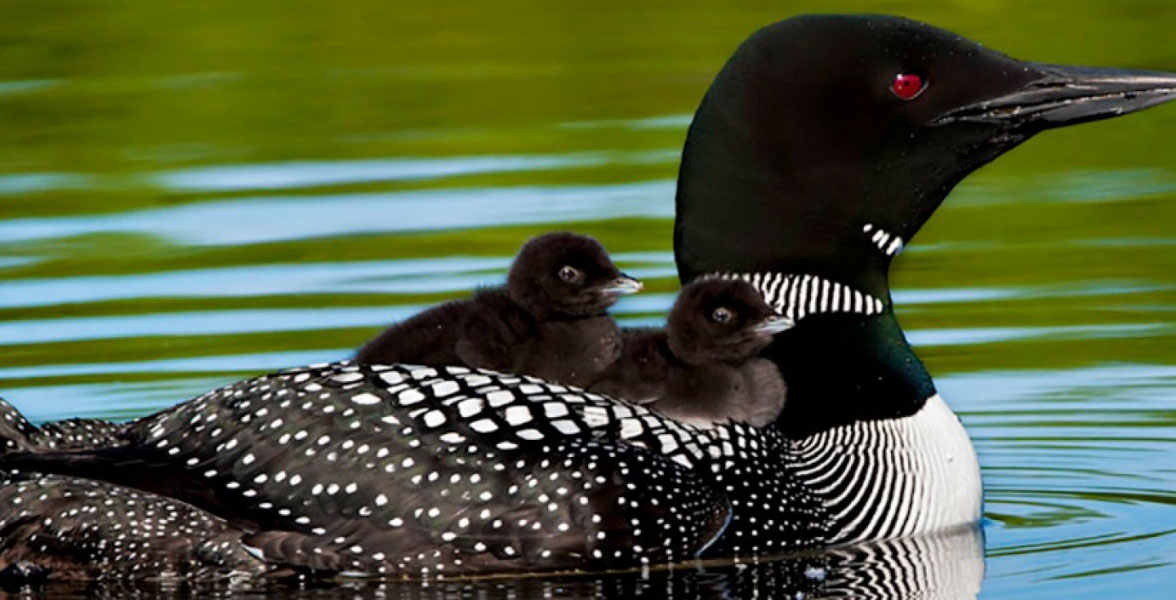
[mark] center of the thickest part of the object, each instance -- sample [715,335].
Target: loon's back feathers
[79,528]
[77,433]
[410,469]
[17,434]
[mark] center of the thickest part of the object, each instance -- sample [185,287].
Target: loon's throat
[894,478]
[846,360]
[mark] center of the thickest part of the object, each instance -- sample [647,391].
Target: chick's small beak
[773,325]
[621,286]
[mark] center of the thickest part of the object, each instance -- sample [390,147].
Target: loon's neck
[821,258]
[842,369]
[845,361]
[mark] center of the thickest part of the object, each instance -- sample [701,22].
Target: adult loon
[819,150]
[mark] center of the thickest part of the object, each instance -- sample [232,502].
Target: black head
[721,320]
[566,274]
[820,127]
[823,146]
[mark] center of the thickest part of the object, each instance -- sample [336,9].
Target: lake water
[195,193]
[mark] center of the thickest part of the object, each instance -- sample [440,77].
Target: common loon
[817,153]
[703,367]
[548,321]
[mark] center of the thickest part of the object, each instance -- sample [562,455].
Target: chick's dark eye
[908,86]
[721,315]
[569,273]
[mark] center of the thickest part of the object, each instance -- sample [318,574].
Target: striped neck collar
[846,361]
[797,296]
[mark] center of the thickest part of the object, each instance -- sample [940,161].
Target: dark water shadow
[946,566]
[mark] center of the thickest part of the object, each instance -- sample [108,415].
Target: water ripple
[278,218]
[301,174]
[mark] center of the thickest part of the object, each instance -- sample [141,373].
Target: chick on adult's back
[548,320]
[702,368]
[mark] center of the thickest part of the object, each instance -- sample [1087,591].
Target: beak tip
[1069,95]
[773,325]
[622,286]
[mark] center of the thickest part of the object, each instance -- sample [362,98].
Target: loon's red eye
[908,86]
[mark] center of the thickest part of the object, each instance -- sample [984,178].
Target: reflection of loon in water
[941,566]
[416,470]
[174,540]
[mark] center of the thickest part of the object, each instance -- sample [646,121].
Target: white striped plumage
[894,478]
[880,479]
[888,243]
[797,296]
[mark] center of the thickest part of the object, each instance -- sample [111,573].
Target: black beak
[1067,95]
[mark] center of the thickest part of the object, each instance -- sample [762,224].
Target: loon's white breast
[894,478]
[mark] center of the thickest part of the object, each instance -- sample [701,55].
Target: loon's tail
[16,433]
[78,434]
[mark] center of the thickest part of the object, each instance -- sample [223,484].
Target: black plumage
[804,148]
[702,368]
[397,469]
[17,434]
[76,528]
[548,320]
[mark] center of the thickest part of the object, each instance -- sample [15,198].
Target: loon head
[826,142]
[566,274]
[721,320]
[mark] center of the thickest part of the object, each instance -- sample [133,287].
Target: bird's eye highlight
[569,274]
[908,86]
[721,315]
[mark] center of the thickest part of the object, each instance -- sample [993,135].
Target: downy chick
[702,368]
[548,320]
